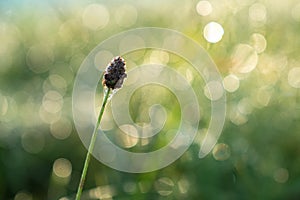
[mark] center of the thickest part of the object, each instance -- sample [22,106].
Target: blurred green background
[256,46]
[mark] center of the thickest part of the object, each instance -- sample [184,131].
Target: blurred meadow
[255,45]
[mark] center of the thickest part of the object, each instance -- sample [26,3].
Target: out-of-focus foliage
[255,45]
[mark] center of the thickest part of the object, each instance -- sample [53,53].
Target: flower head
[114,74]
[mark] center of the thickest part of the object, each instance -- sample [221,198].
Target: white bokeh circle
[87,80]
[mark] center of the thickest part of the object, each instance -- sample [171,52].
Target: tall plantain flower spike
[114,74]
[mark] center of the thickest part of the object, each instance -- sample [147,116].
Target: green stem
[91,147]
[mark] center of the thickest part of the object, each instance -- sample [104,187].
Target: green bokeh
[42,45]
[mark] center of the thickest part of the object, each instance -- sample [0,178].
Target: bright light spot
[55,82]
[39,58]
[294,77]
[244,59]
[164,186]
[102,59]
[102,192]
[281,175]
[23,196]
[52,101]
[213,32]
[158,56]
[58,82]
[129,137]
[258,12]
[75,61]
[183,185]
[244,106]
[204,8]
[95,16]
[221,152]
[271,65]
[237,118]
[33,142]
[49,117]
[126,15]
[296,12]
[62,168]
[213,90]
[61,129]
[231,83]
[66,31]
[263,96]
[258,42]
[144,141]
[130,187]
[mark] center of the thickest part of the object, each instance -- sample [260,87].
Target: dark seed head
[115,73]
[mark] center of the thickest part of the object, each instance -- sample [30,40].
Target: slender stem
[91,147]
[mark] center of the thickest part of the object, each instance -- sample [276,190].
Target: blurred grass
[42,45]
